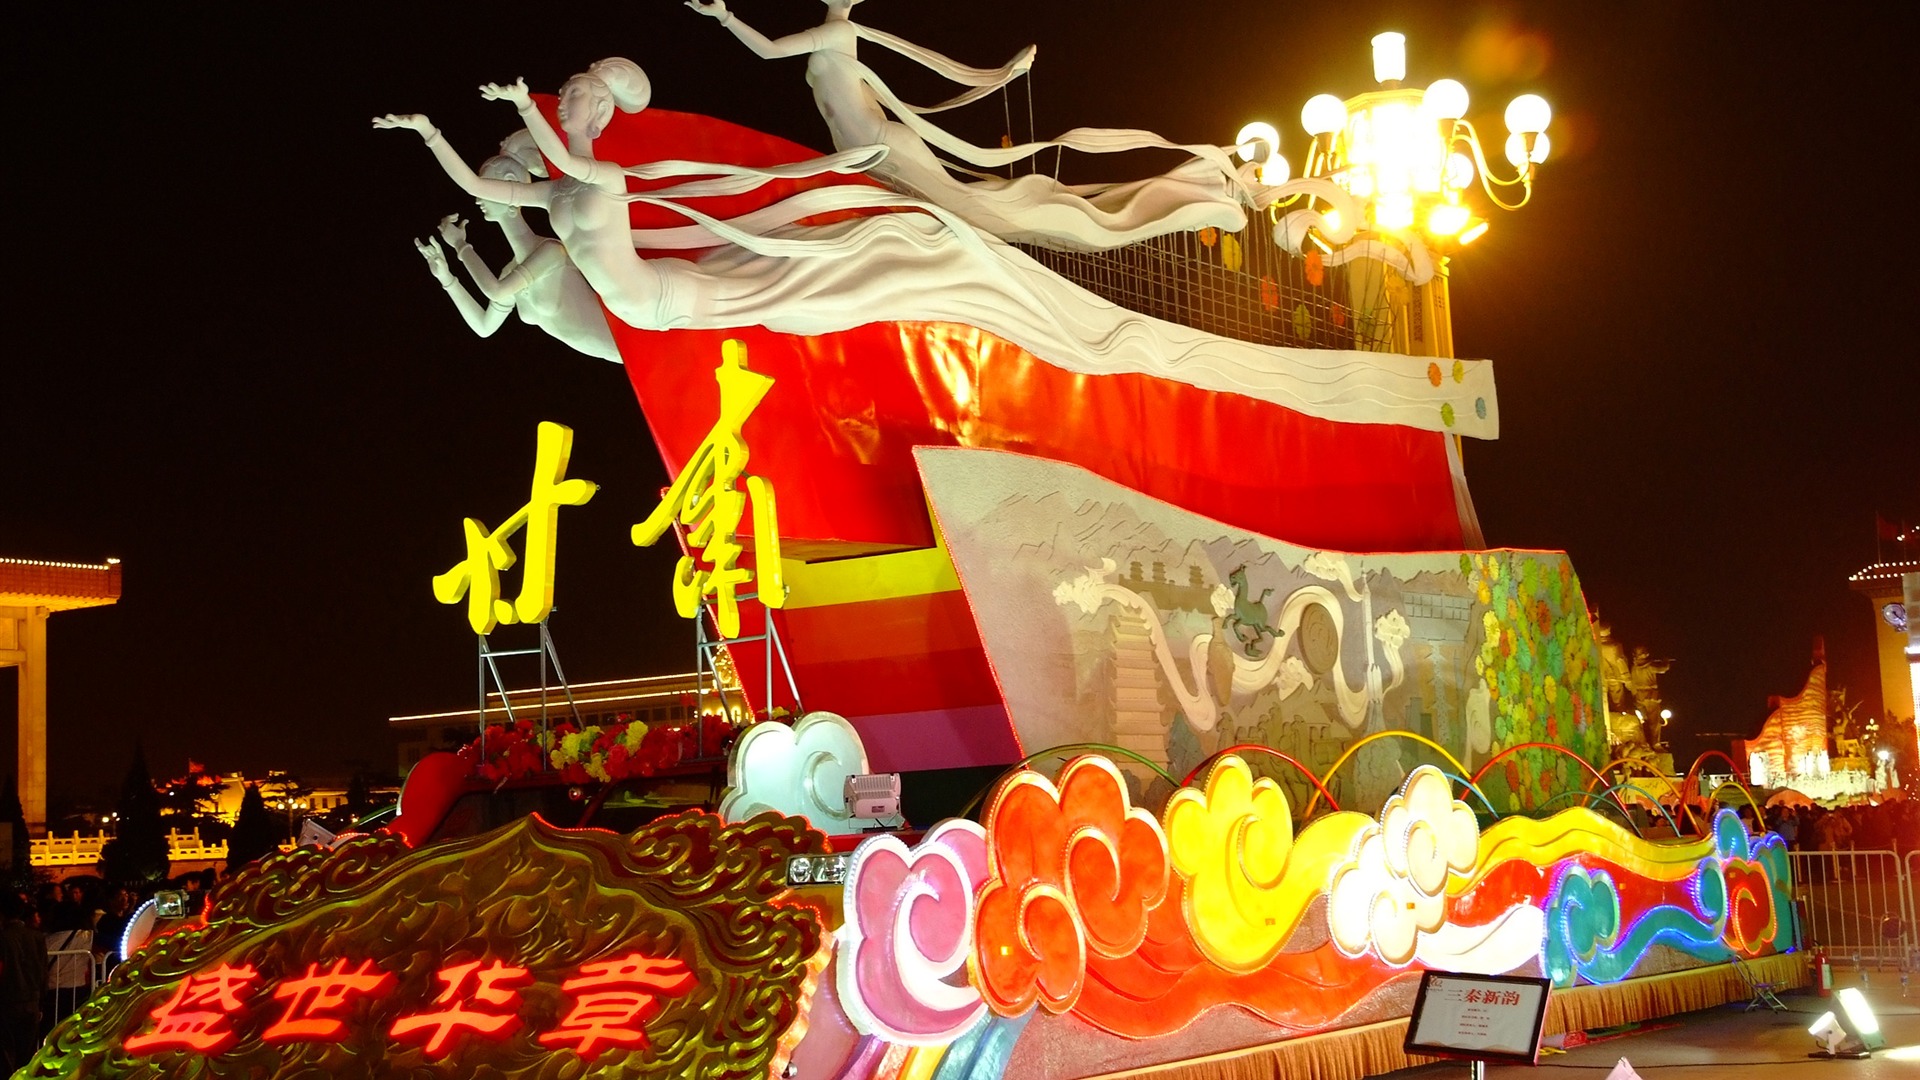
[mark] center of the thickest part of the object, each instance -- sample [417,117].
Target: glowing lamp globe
[1459,171]
[1518,154]
[1393,212]
[1275,171]
[1447,219]
[1390,56]
[1256,142]
[1446,99]
[1323,114]
[1528,114]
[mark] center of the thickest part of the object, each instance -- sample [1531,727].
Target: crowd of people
[1892,825]
[57,942]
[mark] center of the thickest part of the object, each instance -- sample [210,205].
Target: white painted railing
[82,850]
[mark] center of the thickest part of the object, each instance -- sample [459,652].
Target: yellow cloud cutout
[1249,879]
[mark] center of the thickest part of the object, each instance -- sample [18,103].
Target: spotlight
[1853,1032]
[873,795]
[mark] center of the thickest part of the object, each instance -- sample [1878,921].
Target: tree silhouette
[138,851]
[22,848]
[256,832]
[287,797]
[359,800]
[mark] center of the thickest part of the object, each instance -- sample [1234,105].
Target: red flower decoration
[517,751]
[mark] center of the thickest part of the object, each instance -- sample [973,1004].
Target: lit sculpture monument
[861,111]
[1018,515]
[541,283]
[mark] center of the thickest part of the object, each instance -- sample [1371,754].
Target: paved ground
[1730,1044]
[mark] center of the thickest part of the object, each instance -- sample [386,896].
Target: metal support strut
[488,669]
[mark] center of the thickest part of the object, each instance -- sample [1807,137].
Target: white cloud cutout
[799,770]
[1393,889]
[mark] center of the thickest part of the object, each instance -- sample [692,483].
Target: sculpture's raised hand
[410,121]
[712,9]
[453,229]
[436,260]
[515,92]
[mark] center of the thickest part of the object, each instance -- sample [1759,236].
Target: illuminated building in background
[1811,745]
[1792,744]
[30,592]
[1893,588]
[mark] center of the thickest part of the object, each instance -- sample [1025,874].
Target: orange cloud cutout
[1072,870]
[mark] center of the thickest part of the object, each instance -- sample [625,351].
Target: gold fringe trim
[1371,1049]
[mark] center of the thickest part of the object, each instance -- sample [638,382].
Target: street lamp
[1404,159]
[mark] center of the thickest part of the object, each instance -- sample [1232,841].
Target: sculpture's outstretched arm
[798,44]
[482,321]
[591,170]
[546,257]
[501,191]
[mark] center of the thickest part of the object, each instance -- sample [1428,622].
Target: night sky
[228,367]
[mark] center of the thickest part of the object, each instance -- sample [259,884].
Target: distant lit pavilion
[31,590]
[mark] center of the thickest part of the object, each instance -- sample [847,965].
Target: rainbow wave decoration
[1074,919]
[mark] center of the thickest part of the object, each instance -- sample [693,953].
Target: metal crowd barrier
[79,970]
[1859,905]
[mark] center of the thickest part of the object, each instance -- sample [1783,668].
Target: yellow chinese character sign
[477,577]
[705,498]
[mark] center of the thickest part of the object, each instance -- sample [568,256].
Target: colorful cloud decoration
[1072,870]
[1394,889]
[1072,900]
[799,769]
[908,933]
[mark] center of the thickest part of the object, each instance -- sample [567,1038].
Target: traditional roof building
[31,590]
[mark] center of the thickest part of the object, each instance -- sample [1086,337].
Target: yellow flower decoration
[631,738]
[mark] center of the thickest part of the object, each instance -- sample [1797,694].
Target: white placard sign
[1487,1017]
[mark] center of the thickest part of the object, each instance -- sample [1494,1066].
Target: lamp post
[1386,186]
[1407,157]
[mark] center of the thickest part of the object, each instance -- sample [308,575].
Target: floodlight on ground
[1827,1034]
[1856,1015]
[1851,1032]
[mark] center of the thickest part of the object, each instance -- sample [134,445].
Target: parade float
[1147,494]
